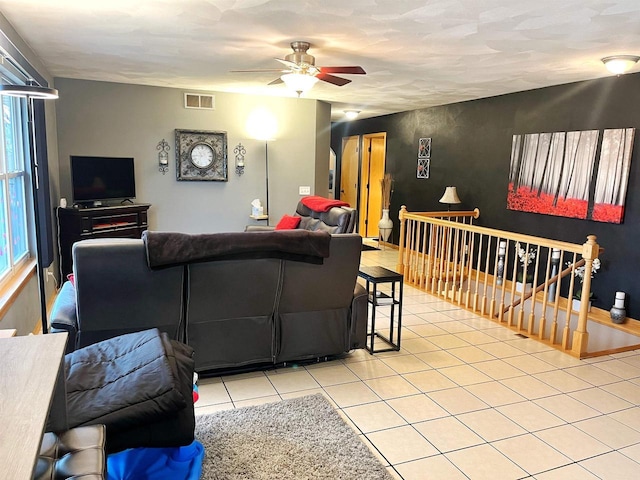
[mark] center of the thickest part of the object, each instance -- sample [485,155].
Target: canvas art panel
[424,148]
[569,174]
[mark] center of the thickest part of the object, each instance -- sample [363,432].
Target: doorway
[362,168]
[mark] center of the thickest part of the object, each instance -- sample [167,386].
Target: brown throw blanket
[166,249]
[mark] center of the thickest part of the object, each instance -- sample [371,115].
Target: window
[14,186]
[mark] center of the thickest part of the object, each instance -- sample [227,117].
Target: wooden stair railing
[478,268]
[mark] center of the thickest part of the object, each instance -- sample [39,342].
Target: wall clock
[201,155]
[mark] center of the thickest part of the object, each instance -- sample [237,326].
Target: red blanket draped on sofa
[321,204]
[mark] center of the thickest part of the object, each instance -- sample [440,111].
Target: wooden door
[372,171]
[349,170]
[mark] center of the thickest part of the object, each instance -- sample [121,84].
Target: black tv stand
[87,221]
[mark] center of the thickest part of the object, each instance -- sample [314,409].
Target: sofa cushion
[287,222]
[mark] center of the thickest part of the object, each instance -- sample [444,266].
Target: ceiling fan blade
[348,70]
[292,65]
[258,70]
[276,81]
[325,77]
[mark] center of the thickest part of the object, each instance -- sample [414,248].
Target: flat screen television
[97,179]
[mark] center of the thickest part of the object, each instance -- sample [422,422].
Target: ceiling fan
[302,73]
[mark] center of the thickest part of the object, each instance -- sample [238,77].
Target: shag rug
[301,438]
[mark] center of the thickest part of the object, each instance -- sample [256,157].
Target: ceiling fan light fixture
[351,114]
[299,82]
[620,64]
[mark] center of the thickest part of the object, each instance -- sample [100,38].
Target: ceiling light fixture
[30,90]
[351,114]
[299,82]
[620,64]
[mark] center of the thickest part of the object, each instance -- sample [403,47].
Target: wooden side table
[375,276]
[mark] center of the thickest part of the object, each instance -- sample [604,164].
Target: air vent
[199,101]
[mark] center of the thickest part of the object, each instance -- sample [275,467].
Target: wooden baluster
[476,296]
[401,240]
[494,287]
[447,261]
[455,265]
[430,253]
[545,295]
[409,268]
[556,310]
[471,237]
[423,262]
[441,259]
[486,286]
[513,288]
[532,311]
[590,251]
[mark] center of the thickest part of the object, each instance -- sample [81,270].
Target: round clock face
[202,156]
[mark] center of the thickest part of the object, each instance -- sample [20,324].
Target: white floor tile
[439,359]
[406,364]
[484,462]
[567,408]
[530,416]
[417,408]
[619,369]
[602,401]
[626,390]
[572,442]
[401,444]
[457,401]
[448,341]
[498,369]
[437,467]
[500,349]
[491,425]
[529,387]
[464,375]
[471,354]
[494,394]
[609,431]
[391,387]
[373,369]
[562,381]
[292,381]
[613,466]
[570,472]
[448,434]
[333,375]
[374,416]
[429,381]
[248,388]
[529,364]
[531,454]
[593,375]
[350,394]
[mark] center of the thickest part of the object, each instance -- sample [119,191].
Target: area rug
[301,438]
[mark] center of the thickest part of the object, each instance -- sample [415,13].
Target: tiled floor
[466,398]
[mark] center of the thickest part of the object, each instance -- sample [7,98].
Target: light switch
[304,190]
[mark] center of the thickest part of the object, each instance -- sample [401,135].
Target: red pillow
[71,277]
[287,222]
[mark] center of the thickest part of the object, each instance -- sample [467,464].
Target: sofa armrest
[258,228]
[63,314]
[359,317]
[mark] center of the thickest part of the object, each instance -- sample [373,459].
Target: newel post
[590,251]
[401,239]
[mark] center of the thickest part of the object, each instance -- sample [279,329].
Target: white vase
[575,305]
[526,289]
[385,225]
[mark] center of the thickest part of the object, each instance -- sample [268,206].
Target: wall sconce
[450,197]
[620,64]
[163,156]
[240,152]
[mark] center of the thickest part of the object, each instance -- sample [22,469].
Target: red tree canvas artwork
[571,174]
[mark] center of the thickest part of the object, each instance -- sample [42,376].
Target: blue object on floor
[179,463]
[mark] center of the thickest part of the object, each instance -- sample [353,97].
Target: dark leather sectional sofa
[233,311]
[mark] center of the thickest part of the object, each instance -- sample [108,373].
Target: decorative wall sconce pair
[163,157]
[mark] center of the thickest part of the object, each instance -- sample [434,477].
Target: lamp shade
[620,64]
[299,82]
[450,196]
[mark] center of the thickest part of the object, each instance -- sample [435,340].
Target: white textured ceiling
[417,53]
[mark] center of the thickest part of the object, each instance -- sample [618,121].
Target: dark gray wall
[471,149]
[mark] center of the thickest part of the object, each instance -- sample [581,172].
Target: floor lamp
[266,166]
[34,92]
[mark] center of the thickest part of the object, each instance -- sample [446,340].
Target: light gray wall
[24,313]
[111,119]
